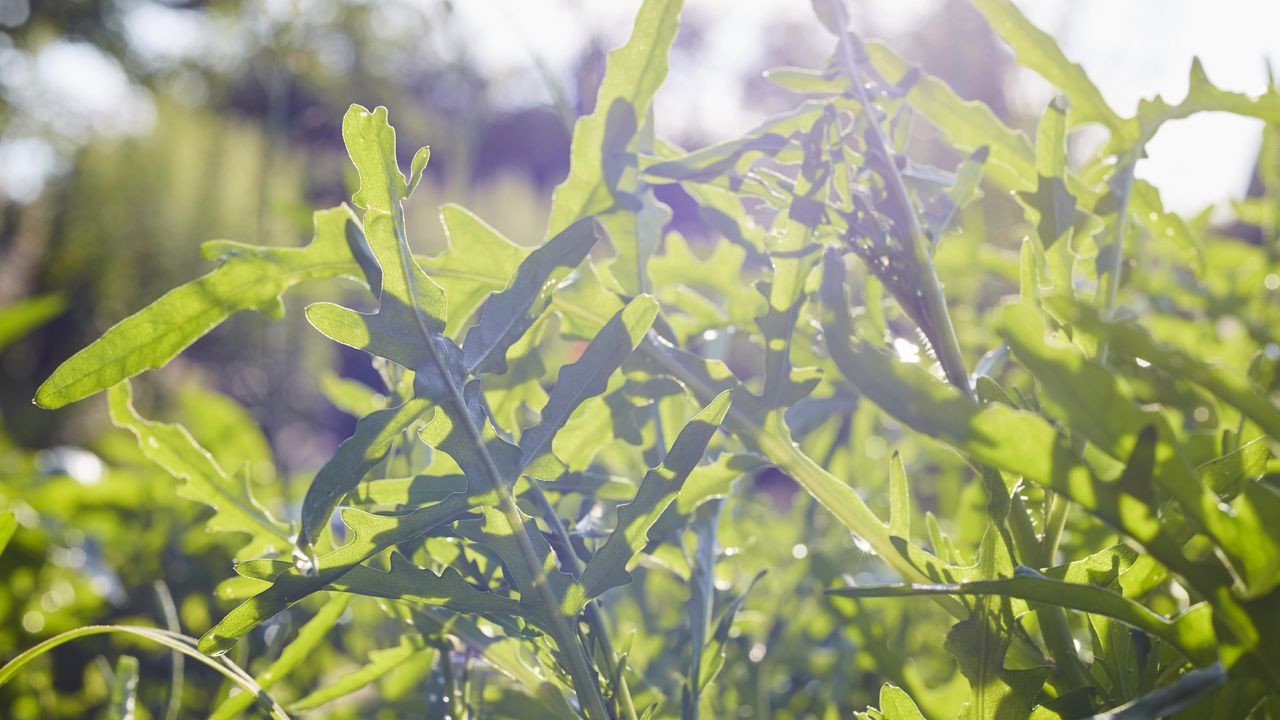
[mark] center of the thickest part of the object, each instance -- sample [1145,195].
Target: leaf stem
[569,561]
[1053,620]
[935,301]
[565,636]
[1117,244]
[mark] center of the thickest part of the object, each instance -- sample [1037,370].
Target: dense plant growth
[561,497]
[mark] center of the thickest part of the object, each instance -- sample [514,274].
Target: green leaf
[1097,406]
[173,449]
[806,81]
[478,261]
[1146,206]
[967,125]
[1228,474]
[351,396]
[899,499]
[411,306]
[417,166]
[1187,633]
[1168,701]
[520,388]
[406,581]
[1051,139]
[1235,389]
[995,692]
[509,314]
[309,640]
[368,535]
[122,705]
[381,662]
[636,225]
[371,145]
[658,490]
[721,277]
[963,190]
[171,640]
[632,75]
[495,530]
[355,457]
[589,375]
[1038,51]
[246,278]
[1052,203]
[20,318]
[896,704]
[713,480]
[1204,96]
[769,138]
[8,526]
[1101,568]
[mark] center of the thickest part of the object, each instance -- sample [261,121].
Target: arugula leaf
[247,278]
[658,490]
[203,480]
[632,75]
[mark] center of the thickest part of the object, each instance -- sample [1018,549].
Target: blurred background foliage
[131,131]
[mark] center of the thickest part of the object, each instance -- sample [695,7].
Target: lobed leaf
[658,490]
[290,582]
[478,261]
[1204,96]
[173,449]
[509,314]
[247,278]
[355,457]
[589,375]
[632,75]
[1039,51]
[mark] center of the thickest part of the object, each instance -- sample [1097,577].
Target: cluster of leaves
[543,464]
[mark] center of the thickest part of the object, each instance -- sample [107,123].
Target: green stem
[1117,243]
[1053,620]
[1022,531]
[935,301]
[701,601]
[1055,521]
[565,637]
[569,562]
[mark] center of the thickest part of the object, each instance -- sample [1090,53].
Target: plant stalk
[1117,243]
[948,346]
[569,561]
[565,636]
